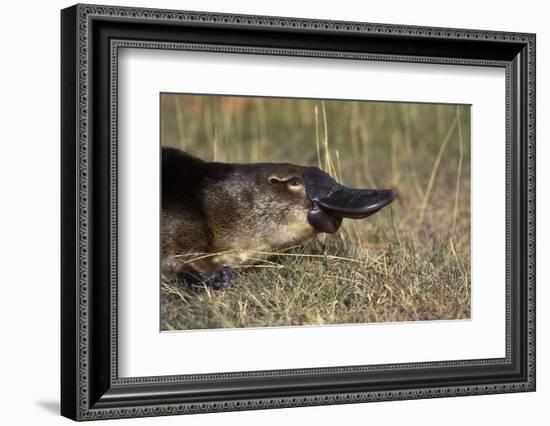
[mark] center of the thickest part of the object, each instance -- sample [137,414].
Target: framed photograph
[263,212]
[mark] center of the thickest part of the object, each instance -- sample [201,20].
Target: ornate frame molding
[78,24]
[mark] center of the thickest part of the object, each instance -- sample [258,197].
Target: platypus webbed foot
[218,279]
[222,278]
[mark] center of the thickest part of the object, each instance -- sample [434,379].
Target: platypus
[216,216]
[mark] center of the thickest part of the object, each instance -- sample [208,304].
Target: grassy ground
[409,262]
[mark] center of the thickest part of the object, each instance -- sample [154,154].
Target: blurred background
[422,151]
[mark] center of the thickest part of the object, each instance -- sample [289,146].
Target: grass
[409,262]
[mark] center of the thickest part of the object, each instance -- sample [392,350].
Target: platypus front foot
[217,279]
[221,278]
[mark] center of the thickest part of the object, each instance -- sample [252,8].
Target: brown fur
[217,215]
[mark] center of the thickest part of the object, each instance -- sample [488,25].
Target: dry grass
[409,262]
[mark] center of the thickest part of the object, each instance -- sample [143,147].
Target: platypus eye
[295,182]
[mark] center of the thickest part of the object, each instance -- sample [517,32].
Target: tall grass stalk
[410,156]
[179,118]
[459,170]
[435,168]
[317,137]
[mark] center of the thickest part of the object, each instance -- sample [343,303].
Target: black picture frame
[90,386]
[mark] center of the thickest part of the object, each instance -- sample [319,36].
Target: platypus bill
[216,216]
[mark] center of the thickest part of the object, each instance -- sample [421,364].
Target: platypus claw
[217,280]
[222,278]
